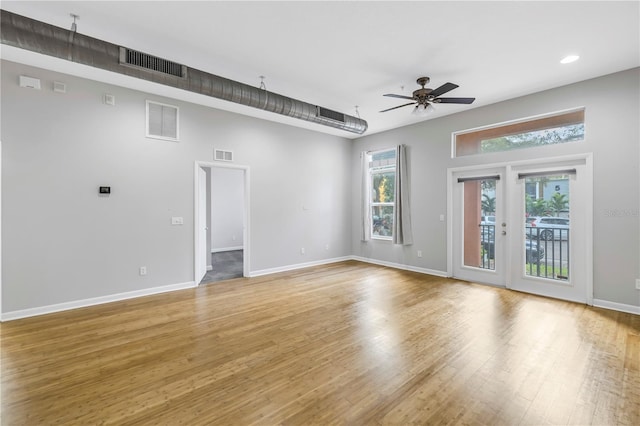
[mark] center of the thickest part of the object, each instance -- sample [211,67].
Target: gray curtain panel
[402,233]
[365,228]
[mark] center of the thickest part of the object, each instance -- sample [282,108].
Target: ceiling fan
[424,97]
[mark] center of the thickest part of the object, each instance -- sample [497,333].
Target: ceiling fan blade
[398,96]
[454,100]
[447,87]
[399,106]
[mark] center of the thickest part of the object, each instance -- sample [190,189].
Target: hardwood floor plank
[347,343]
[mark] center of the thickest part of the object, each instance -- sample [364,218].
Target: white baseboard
[31,312]
[344,258]
[42,310]
[630,309]
[401,266]
[219,250]
[297,266]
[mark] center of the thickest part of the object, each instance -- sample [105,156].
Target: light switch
[177,221]
[441,218]
[109,99]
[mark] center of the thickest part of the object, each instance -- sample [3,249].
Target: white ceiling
[340,54]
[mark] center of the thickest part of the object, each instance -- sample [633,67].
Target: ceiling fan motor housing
[422,95]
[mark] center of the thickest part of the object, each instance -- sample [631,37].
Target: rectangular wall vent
[153,63]
[221,155]
[332,115]
[30,82]
[59,87]
[162,121]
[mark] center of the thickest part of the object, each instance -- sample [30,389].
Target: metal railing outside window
[547,252]
[488,240]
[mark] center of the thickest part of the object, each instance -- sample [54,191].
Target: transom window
[382,173]
[549,130]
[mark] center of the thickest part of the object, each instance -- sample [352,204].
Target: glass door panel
[479,223]
[547,227]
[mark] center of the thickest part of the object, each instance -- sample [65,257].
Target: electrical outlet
[637,283]
[143,270]
[326,247]
[302,250]
[419,253]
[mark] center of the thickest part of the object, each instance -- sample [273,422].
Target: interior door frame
[197,221]
[550,162]
[201,252]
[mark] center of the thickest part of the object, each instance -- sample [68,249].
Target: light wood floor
[348,343]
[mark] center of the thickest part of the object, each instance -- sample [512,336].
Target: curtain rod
[382,149]
[549,173]
[467,179]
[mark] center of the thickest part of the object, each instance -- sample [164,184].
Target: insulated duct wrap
[29,34]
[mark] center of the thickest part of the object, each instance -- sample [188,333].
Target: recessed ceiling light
[569,59]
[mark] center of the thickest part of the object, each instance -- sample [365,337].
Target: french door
[479,226]
[551,243]
[524,226]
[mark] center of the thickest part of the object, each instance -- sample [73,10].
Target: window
[549,130]
[382,178]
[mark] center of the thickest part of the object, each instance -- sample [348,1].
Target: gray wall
[61,242]
[612,135]
[227,208]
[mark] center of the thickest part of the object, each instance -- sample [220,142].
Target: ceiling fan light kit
[422,109]
[424,98]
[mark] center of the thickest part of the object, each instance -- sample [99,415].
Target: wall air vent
[149,62]
[162,121]
[220,155]
[331,115]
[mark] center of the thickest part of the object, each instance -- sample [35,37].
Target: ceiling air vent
[149,62]
[25,33]
[331,115]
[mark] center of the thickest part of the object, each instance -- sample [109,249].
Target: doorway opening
[221,225]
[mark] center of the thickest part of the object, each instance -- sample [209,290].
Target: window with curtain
[382,180]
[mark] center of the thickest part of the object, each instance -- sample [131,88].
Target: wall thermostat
[105,190]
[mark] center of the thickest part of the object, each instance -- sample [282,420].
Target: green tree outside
[559,202]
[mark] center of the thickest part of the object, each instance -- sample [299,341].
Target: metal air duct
[29,34]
